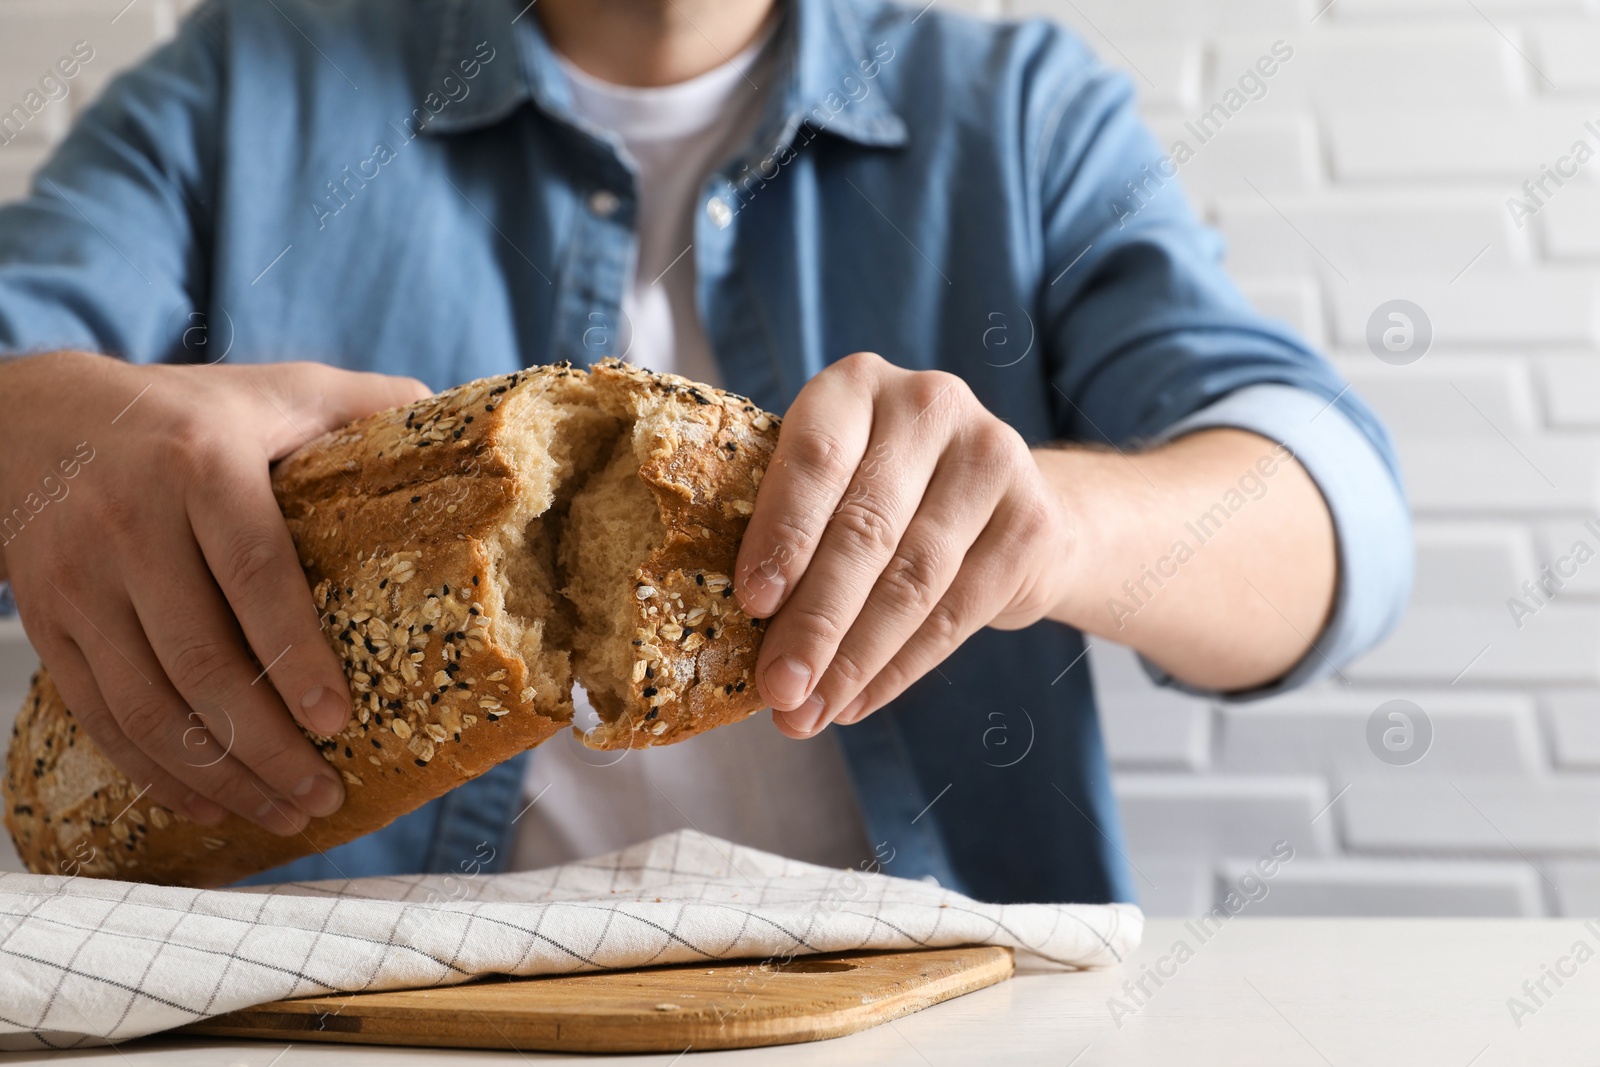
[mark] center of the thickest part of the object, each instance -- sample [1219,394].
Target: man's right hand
[157,580]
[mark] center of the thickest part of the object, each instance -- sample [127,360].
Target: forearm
[1213,555]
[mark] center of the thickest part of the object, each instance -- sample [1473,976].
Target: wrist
[1071,476]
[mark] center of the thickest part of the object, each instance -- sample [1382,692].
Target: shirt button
[604,203]
[718,212]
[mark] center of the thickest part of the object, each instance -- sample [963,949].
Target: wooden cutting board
[737,1004]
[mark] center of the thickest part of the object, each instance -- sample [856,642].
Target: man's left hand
[898,517]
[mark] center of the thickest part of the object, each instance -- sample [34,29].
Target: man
[755,193]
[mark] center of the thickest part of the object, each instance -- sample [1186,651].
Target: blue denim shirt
[401,185]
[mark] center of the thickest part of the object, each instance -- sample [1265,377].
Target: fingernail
[806,717]
[851,711]
[759,595]
[325,711]
[787,681]
[281,817]
[318,795]
[203,811]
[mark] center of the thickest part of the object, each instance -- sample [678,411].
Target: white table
[1266,991]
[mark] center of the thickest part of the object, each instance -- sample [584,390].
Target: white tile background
[1381,157]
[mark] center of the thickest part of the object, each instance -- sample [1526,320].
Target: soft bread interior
[612,527]
[556,441]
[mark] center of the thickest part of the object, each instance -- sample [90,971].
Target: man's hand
[897,518]
[158,581]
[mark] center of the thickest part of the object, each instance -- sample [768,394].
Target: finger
[302,401]
[952,516]
[861,539]
[823,440]
[193,633]
[149,712]
[248,549]
[76,684]
[981,589]
[911,433]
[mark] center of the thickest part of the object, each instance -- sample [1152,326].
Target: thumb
[313,398]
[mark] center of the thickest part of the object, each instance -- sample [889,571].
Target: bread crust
[399,520]
[703,453]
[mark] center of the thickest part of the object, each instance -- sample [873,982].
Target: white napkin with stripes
[89,962]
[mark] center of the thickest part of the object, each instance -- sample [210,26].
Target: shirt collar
[828,72]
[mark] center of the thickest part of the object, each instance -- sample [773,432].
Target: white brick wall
[1391,142]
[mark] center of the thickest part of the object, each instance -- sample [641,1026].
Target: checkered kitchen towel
[87,962]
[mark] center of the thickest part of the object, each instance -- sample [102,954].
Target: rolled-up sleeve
[1371,522]
[1149,338]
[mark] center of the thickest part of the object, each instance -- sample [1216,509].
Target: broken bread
[472,555]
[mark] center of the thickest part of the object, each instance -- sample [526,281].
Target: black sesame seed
[427,627]
[650,714]
[728,592]
[474,579]
[739,688]
[348,754]
[463,685]
[638,642]
[384,584]
[727,689]
[420,762]
[648,691]
[376,743]
[434,699]
[447,590]
[467,419]
[649,672]
[416,500]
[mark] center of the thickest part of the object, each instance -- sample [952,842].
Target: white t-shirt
[745,782]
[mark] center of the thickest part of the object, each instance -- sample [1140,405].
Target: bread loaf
[471,555]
